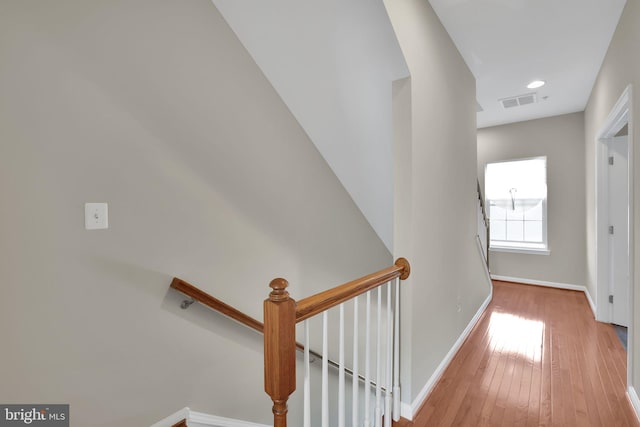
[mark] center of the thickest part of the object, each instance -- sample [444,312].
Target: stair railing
[196,294]
[484,230]
[282,313]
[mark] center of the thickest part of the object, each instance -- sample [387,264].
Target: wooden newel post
[279,349]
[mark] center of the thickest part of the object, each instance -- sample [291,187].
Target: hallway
[536,357]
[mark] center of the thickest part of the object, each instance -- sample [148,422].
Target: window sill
[533,251]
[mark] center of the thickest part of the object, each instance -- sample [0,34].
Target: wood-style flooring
[537,357]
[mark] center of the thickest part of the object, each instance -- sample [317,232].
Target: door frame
[620,115]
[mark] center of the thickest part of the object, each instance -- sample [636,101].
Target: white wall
[620,68]
[435,212]
[156,108]
[561,140]
[332,62]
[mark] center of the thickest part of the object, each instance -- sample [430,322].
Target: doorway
[614,219]
[618,212]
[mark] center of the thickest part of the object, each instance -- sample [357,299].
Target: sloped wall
[332,62]
[156,108]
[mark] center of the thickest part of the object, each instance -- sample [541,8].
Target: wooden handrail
[313,305]
[487,222]
[306,307]
[481,198]
[214,303]
[281,313]
[235,314]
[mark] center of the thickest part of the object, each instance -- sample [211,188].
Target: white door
[619,230]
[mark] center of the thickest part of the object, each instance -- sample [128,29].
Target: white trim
[633,398]
[182,414]
[521,246]
[620,114]
[631,231]
[519,250]
[544,283]
[424,393]
[204,419]
[590,301]
[215,421]
[539,283]
[408,411]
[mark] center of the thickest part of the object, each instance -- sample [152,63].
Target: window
[516,192]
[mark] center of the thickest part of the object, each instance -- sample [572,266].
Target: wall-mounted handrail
[201,296]
[231,312]
[487,223]
[281,315]
[213,303]
[482,202]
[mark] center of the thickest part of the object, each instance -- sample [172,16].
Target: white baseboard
[172,419]
[590,301]
[409,411]
[633,398]
[549,285]
[539,283]
[406,411]
[202,419]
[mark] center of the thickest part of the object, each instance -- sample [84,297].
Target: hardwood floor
[537,357]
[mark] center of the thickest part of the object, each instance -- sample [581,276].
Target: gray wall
[332,62]
[561,139]
[155,108]
[435,198]
[620,68]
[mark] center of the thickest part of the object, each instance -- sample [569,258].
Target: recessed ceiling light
[535,84]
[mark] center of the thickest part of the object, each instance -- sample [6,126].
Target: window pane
[533,231]
[498,230]
[497,212]
[519,179]
[515,230]
[516,215]
[516,192]
[534,213]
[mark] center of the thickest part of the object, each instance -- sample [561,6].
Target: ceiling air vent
[517,101]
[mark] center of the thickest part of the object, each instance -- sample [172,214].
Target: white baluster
[354,394]
[341,392]
[389,361]
[378,413]
[307,377]
[325,371]
[396,354]
[367,364]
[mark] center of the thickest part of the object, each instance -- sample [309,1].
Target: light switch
[96,216]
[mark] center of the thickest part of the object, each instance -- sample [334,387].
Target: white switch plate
[96,216]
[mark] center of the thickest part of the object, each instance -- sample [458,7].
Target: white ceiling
[332,63]
[508,43]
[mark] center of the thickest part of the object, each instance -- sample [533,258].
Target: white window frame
[520,246]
